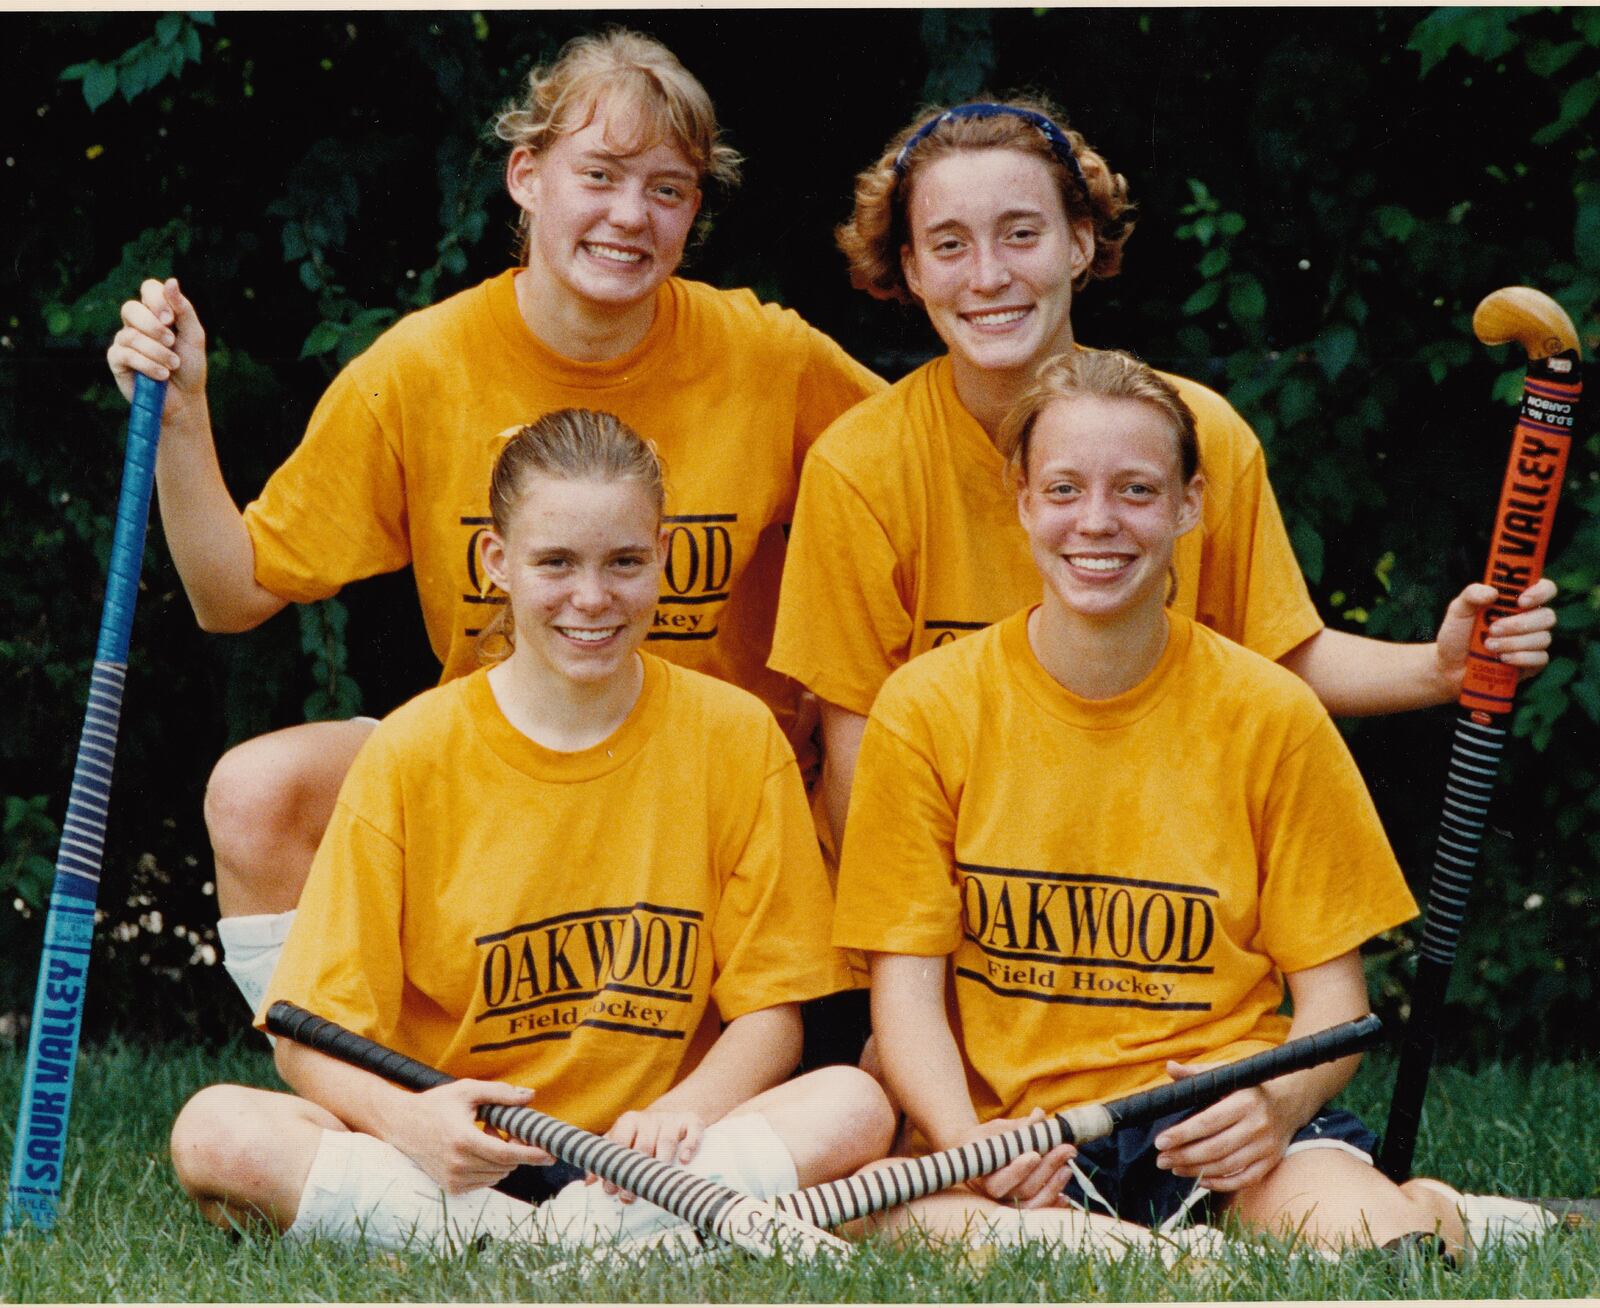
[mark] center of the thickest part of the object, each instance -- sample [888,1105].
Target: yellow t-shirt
[906,537]
[394,468]
[565,920]
[1117,882]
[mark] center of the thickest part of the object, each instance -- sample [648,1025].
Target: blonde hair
[565,445]
[879,226]
[645,88]
[1103,374]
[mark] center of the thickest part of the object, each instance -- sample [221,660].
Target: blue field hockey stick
[38,1157]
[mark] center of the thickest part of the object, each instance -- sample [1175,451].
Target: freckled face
[1104,503]
[992,257]
[607,227]
[580,564]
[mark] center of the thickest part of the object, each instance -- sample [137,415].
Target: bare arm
[841,743]
[162,338]
[754,1053]
[1238,1140]
[436,1129]
[1357,676]
[924,1071]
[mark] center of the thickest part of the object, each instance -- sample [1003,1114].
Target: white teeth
[1096,563]
[997,319]
[612,253]
[589,635]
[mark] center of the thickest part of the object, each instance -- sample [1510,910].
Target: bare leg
[1334,1199]
[268,803]
[244,1154]
[961,1215]
[832,1121]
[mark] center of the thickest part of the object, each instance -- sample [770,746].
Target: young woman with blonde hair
[582,876]
[1092,846]
[993,217]
[609,155]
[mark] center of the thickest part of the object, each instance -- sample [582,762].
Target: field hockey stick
[836,1202]
[707,1205]
[38,1155]
[1539,448]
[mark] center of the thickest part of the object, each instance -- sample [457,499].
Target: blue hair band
[1057,138]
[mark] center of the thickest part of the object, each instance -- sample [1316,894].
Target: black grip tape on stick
[704,1203]
[836,1202]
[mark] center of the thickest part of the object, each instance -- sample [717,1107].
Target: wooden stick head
[1529,317]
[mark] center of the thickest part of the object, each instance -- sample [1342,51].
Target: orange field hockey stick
[1543,437]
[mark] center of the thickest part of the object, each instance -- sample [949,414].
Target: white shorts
[362,1189]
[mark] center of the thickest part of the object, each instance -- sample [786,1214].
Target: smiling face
[610,211]
[992,257]
[1103,500]
[580,563]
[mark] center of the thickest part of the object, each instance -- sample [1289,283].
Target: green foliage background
[1325,196]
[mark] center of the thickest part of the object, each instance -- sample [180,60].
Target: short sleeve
[1251,587]
[842,626]
[335,511]
[831,383]
[770,933]
[897,886]
[1329,878]
[342,960]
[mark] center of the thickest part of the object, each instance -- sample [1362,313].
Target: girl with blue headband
[993,216]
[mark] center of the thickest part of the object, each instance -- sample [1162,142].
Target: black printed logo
[1101,941]
[628,968]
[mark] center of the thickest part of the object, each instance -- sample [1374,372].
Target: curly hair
[879,228]
[646,90]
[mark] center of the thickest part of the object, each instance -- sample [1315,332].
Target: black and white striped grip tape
[1468,788]
[708,1205]
[836,1202]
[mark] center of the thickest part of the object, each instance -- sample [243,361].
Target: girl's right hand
[440,1133]
[161,338]
[1029,1180]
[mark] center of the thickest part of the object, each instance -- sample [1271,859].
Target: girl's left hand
[1232,1144]
[1521,639]
[669,1135]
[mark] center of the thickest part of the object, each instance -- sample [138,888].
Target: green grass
[127,1233]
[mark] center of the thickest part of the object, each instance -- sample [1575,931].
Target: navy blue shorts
[536,1184]
[1122,1166]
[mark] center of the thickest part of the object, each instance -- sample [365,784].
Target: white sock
[1491,1219]
[250,949]
[360,1188]
[743,1152]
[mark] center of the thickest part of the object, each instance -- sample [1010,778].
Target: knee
[862,1112]
[251,798]
[205,1143]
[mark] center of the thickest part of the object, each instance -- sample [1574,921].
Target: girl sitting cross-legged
[583,878]
[1090,847]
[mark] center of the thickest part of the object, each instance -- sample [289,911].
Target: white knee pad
[250,949]
[361,1189]
[742,1152]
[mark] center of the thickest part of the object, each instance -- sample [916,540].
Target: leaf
[1395,222]
[1335,347]
[324,339]
[1202,299]
[1308,548]
[1214,262]
[168,26]
[1586,225]
[1576,104]
[1246,299]
[99,85]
